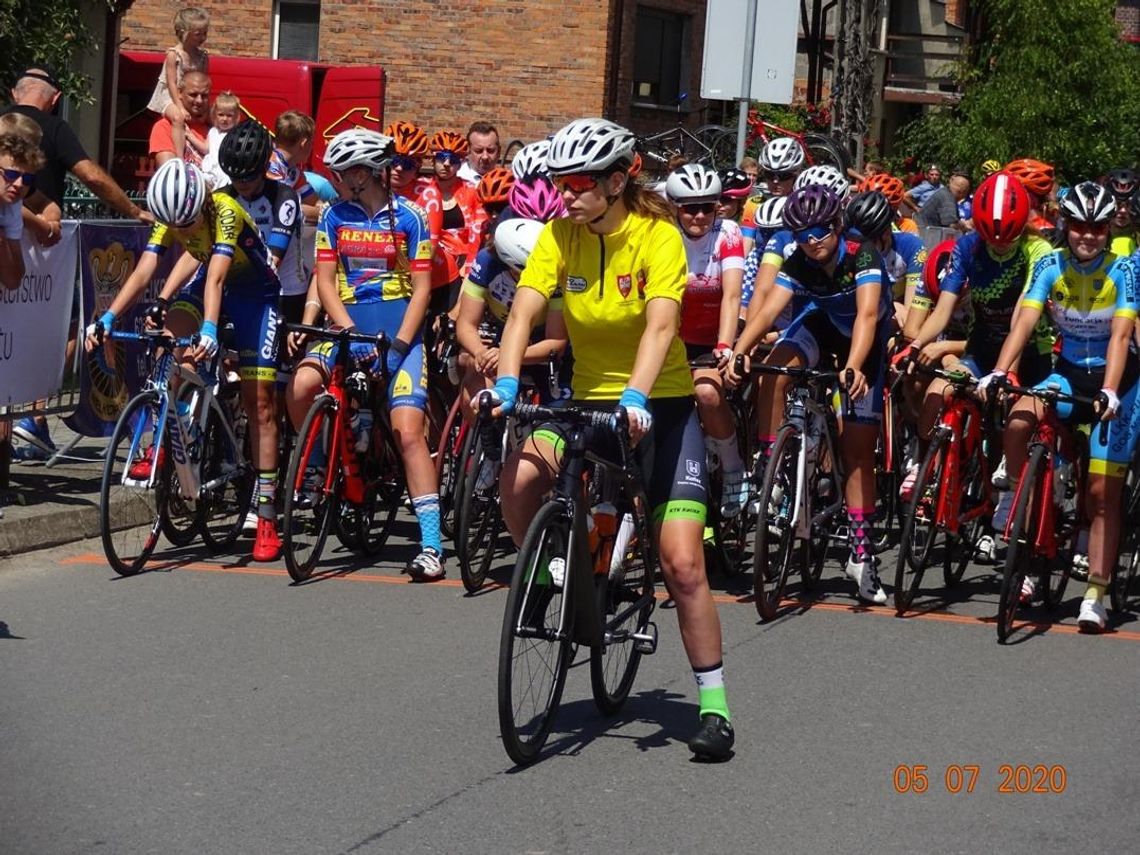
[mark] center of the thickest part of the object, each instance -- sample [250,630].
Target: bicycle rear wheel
[958,554]
[227,484]
[775,537]
[130,513]
[309,508]
[921,530]
[383,491]
[477,514]
[180,523]
[625,602]
[824,149]
[1020,560]
[1124,576]
[533,655]
[447,469]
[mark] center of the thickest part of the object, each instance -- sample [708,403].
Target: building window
[297,26]
[659,56]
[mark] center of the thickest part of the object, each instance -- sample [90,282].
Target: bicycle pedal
[645,642]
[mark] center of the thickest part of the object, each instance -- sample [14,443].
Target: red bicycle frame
[963,419]
[1043,511]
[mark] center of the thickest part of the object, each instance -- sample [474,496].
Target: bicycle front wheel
[920,531]
[477,513]
[383,492]
[776,541]
[447,468]
[130,512]
[535,648]
[227,483]
[625,602]
[309,508]
[824,149]
[1020,559]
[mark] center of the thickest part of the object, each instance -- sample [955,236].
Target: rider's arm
[866,321]
[762,314]
[1117,355]
[555,338]
[328,295]
[662,317]
[186,266]
[1028,313]
[526,311]
[936,321]
[136,283]
[471,310]
[731,282]
[217,270]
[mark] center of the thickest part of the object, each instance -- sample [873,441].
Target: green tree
[1051,81]
[50,32]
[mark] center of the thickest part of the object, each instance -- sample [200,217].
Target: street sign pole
[746,81]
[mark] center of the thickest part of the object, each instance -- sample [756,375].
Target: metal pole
[746,80]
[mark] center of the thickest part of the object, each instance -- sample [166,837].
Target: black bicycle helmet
[870,214]
[735,184]
[812,205]
[245,151]
[1122,182]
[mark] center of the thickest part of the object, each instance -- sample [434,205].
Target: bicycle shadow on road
[580,723]
[6,632]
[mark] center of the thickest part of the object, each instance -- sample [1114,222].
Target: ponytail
[646,203]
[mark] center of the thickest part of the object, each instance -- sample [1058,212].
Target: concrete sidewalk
[45,506]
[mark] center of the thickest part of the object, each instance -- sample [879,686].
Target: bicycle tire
[383,492]
[1124,575]
[824,149]
[446,471]
[920,525]
[536,604]
[732,534]
[307,520]
[130,518]
[614,664]
[1019,558]
[222,510]
[722,150]
[819,536]
[771,562]
[180,522]
[477,516]
[955,560]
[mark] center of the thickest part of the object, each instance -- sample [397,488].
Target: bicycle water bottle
[811,440]
[603,517]
[361,426]
[1062,477]
[621,544]
[188,427]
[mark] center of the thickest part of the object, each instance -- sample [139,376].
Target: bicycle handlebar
[348,336]
[153,338]
[1052,394]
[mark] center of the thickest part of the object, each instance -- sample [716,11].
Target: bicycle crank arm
[645,642]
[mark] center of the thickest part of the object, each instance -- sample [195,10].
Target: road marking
[91,558]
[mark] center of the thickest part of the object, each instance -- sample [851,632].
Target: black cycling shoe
[714,739]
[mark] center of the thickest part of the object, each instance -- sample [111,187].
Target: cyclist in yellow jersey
[620,264]
[226,261]
[1122,184]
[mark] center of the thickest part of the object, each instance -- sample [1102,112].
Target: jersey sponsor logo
[692,467]
[625,284]
[287,213]
[575,284]
[363,243]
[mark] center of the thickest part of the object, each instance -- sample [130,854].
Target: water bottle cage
[357,384]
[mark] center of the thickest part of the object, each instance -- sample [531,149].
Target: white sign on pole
[773,54]
[34,318]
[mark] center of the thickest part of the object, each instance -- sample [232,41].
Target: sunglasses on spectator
[448,157]
[576,183]
[699,208]
[14,175]
[781,176]
[816,234]
[402,161]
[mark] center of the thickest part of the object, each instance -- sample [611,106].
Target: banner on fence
[34,319]
[108,252]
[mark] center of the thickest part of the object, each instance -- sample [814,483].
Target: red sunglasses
[576,183]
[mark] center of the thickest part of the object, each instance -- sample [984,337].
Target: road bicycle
[953,497]
[564,594]
[1048,507]
[330,485]
[1124,584]
[801,491]
[159,458]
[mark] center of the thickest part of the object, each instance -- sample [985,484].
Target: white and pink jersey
[708,257]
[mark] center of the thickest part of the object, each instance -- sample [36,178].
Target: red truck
[336,96]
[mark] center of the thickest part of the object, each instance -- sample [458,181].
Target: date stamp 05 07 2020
[964,778]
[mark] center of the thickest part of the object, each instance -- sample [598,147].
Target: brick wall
[529,66]
[1128,17]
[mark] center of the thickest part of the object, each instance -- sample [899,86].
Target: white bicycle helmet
[827,176]
[515,240]
[176,193]
[359,147]
[770,214]
[1088,202]
[530,160]
[590,145]
[783,154]
[692,183]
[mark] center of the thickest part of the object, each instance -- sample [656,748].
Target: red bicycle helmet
[1001,209]
[1035,176]
[935,268]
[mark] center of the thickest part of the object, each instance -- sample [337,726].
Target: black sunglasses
[14,175]
[699,208]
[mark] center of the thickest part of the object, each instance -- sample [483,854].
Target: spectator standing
[194,95]
[941,208]
[191,27]
[293,132]
[482,152]
[922,191]
[19,160]
[224,115]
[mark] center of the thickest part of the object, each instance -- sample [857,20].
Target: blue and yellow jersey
[493,283]
[375,256]
[224,229]
[1083,300]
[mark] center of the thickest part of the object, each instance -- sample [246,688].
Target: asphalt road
[207,707]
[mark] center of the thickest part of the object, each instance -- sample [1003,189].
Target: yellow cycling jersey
[224,229]
[1123,245]
[606,282]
